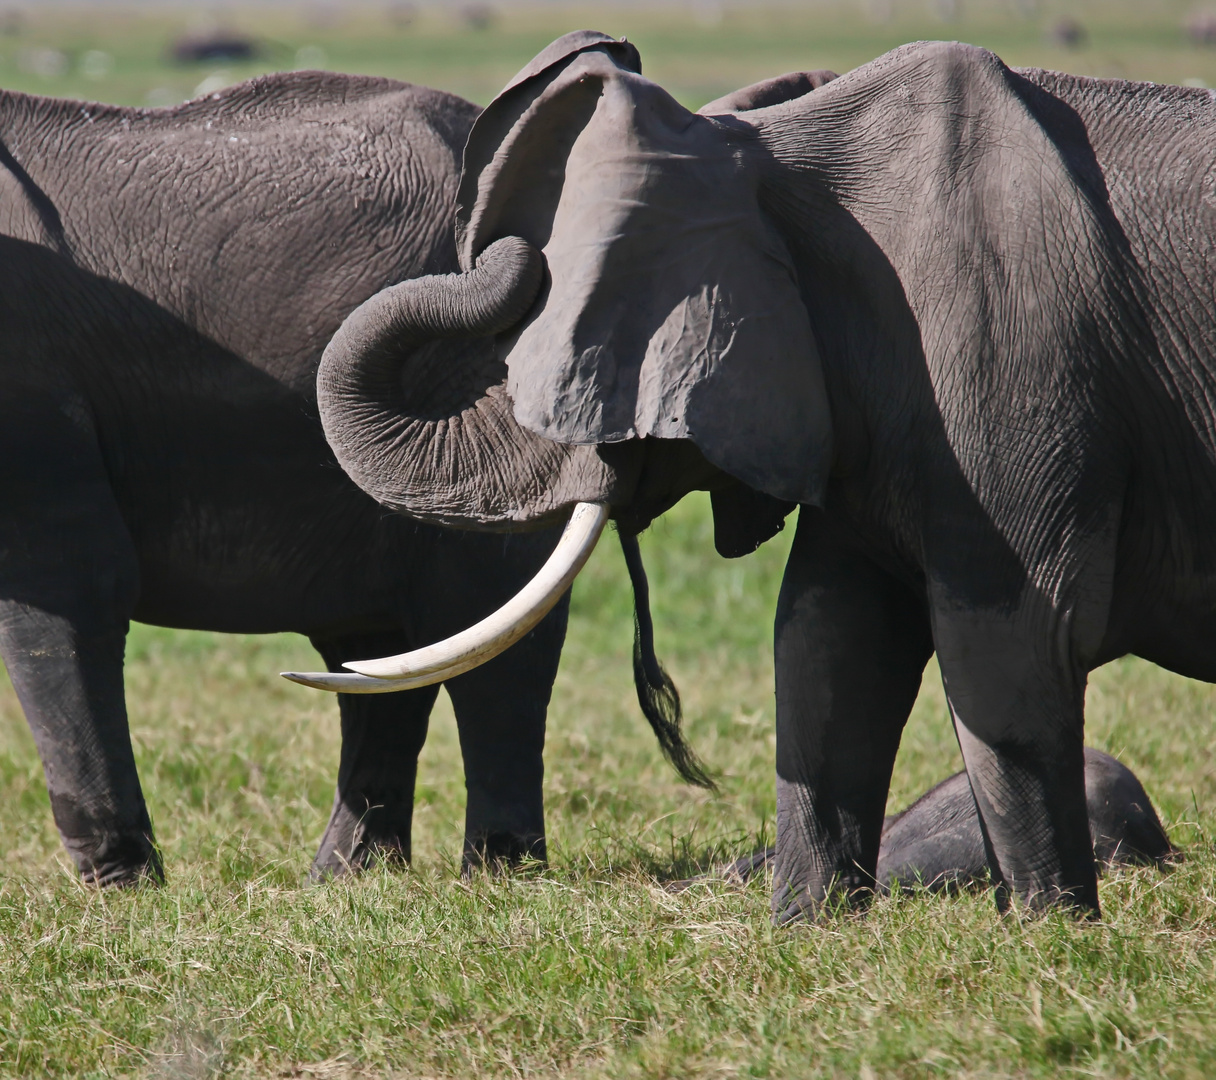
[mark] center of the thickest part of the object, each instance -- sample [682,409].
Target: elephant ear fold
[513,170]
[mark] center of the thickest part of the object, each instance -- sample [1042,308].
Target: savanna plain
[589,967]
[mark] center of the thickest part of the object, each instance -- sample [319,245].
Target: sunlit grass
[589,968]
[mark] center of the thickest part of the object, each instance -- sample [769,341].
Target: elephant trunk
[423,423]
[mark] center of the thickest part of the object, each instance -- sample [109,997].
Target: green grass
[590,968]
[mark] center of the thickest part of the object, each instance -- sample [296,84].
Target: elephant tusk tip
[343,682]
[316,679]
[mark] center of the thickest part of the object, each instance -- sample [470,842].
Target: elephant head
[659,346]
[670,312]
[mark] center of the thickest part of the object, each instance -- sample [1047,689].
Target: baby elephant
[937,841]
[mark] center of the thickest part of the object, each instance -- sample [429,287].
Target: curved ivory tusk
[484,640]
[346,682]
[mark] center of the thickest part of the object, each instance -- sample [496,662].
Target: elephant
[959,315]
[168,281]
[937,842]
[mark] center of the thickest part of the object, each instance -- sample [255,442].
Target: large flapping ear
[486,182]
[671,307]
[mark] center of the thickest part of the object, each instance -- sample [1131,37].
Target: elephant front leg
[382,736]
[500,710]
[1018,710]
[851,644]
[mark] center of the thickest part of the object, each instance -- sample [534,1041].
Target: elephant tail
[657,694]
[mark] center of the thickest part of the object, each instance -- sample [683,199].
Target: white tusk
[346,682]
[484,640]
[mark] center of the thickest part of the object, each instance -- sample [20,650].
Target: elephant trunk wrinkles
[411,428]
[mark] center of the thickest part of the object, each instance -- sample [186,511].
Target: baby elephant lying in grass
[937,841]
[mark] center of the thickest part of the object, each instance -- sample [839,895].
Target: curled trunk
[413,400]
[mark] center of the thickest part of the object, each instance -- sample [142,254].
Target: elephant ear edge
[490,149]
[744,518]
[774,91]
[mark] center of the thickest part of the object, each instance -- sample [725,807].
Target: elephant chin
[435,438]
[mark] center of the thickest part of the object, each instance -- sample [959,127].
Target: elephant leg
[382,736]
[68,678]
[851,643]
[69,580]
[500,710]
[1018,709]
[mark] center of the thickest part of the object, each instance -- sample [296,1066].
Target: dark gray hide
[168,280]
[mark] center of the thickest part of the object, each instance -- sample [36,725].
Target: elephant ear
[491,151]
[671,307]
[793,84]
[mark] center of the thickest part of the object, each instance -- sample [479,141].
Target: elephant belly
[246,543]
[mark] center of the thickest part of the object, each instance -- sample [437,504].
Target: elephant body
[961,315]
[168,281]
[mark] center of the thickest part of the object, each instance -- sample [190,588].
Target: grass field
[589,968]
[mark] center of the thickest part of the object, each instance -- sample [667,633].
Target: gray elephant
[962,315]
[168,280]
[938,843]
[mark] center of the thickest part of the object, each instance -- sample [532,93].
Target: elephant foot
[500,852]
[355,839]
[120,860]
[791,904]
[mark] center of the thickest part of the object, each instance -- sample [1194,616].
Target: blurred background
[159,53]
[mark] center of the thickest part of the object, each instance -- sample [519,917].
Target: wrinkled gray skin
[168,280]
[937,842]
[963,315]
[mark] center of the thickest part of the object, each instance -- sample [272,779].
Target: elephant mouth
[655,474]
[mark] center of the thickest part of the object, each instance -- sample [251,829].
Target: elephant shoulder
[933,79]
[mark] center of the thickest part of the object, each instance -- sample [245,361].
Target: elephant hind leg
[382,736]
[69,580]
[68,677]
